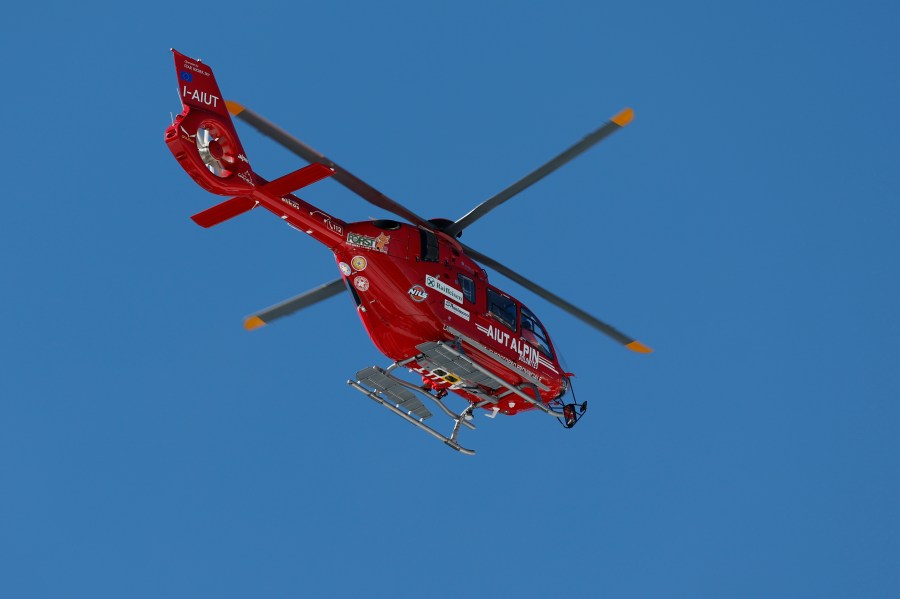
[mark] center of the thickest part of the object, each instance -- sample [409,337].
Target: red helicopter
[420,294]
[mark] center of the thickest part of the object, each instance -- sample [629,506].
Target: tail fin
[205,143]
[203,138]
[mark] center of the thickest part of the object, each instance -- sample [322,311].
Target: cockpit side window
[468,288]
[502,308]
[534,333]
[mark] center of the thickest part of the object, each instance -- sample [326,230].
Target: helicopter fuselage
[411,286]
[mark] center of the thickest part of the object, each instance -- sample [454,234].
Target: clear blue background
[745,226]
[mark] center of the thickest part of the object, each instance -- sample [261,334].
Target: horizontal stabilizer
[298,179]
[224,211]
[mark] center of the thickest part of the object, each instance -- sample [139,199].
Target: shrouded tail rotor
[202,138]
[216,150]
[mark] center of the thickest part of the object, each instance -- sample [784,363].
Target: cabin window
[468,288]
[502,308]
[534,333]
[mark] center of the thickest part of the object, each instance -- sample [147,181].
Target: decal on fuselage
[528,355]
[193,66]
[358,263]
[440,375]
[361,283]
[379,244]
[441,287]
[417,293]
[200,97]
[345,269]
[327,221]
[547,364]
[461,312]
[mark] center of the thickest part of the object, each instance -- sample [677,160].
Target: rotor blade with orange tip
[591,139]
[606,329]
[288,307]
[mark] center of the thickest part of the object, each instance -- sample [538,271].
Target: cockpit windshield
[534,333]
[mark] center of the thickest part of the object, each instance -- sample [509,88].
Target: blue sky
[745,225]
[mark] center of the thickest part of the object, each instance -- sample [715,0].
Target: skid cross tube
[462,419]
[450,442]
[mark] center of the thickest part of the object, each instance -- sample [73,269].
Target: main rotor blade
[341,175]
[591,139]
[288,307]
[554,299]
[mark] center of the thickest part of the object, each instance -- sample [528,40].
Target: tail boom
[204,141]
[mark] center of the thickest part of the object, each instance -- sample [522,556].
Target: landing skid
[400,397]
[449,441]
[396,395]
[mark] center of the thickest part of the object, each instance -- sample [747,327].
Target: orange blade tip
[621,119]
[254,322]
[639,347]
[233,107]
